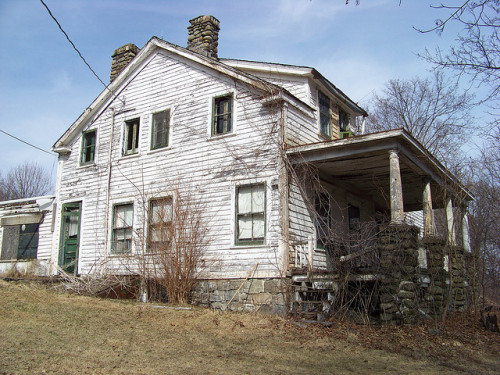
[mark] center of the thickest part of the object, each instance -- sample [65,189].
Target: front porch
[381,212]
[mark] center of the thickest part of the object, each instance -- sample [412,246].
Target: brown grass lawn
[43,332]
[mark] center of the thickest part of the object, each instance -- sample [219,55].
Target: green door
[70,237]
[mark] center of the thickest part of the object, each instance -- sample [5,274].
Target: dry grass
[45,332]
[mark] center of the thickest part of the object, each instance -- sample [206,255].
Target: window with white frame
[325,118]
[88,147]
[222,115]
[131,137]
[250,213]
[159,224]
[123,217]
[159,130]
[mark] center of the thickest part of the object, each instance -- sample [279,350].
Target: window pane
[258,226]
[245,228]
[258,198]
[245,199]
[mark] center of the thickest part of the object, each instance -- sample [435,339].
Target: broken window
[161,122]
[160,224]
[222,115]
[250,214]
[20,241]
[88,147]
[343,121]
[123,216]
[325,118]
[131,141]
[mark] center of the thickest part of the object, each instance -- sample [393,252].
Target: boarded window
[325,119]
[222,115]
[160,224]
[123,217]
[161,122]
[20,241]
[131,141]
[88,147]
[250,214]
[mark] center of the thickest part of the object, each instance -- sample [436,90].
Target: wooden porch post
[396,188]
[465,229]
[428,212]
[450,221]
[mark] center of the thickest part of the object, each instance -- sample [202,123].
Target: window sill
[249,246]
[220,136]
[129,156]
[325,137]
[157,150]
[87,165]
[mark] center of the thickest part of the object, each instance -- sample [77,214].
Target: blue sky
[44,86]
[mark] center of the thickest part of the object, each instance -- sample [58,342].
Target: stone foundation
[252,295]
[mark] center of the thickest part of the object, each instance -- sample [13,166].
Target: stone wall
[252,295]
[203,35]
[121,58]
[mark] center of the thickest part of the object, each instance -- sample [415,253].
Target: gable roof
[151,47]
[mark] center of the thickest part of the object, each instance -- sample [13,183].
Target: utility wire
[74,47]
[29,144]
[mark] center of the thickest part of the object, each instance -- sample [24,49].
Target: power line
[74,47]
[29,144]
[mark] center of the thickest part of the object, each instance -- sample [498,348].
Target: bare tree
[432,110]
[26,180]
[476,53]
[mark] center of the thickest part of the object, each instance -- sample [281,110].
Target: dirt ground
[43,332]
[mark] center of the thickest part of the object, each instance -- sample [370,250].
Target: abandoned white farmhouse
[274,154]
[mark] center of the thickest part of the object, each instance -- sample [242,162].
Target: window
[323,221]
[222,115]
[250,214]
[131,141]
[159,136]
[20,241]
[88,147]
[160,224]
[123,216]
[325,119]
[343,121]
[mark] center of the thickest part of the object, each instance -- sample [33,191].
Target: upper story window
[222,121]
[88,147]
[131,140]
[159,224]
[160,127]
[123,217]
[250,214]
[325,118]
[343,121]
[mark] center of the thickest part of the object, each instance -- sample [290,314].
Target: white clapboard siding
[211,167]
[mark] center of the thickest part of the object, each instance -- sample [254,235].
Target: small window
[222,115]
[343,121]
[123,216]
[88,147]
[131,141]
[250,214]
[325,118]
[161,122]
[159,224]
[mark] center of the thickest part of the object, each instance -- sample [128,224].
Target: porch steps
[312,299]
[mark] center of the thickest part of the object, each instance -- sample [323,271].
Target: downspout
[108,185]
[284,188]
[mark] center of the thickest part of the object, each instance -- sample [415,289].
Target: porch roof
[361,165]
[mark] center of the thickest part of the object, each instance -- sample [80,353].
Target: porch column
[465,229]
[428,212]
[396,188]
[450,221]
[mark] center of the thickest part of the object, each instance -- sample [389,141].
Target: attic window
[131,141]
[222,121]
[325,119]
[159,137]
[88,147]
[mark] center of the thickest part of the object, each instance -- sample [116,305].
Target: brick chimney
[121,58]
[203,36]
